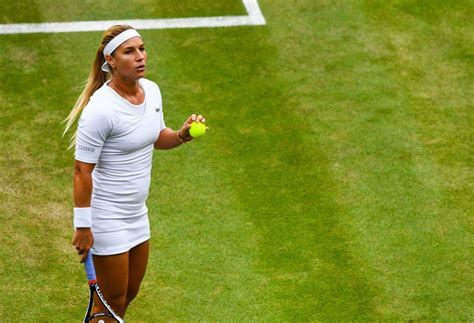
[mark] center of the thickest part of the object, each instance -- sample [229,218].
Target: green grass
[30,11]
[335,182]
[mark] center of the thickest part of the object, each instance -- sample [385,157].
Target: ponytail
[96,79]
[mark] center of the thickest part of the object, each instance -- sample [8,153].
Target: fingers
[191,119]
[83,250]
[82,241]
[195,118]
[200,118]
[84,256]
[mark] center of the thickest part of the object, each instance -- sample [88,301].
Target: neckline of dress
[125,100]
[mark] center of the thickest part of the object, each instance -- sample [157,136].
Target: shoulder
[101,102]
[99,109]
[103,96]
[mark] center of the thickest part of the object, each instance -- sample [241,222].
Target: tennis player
[121,122]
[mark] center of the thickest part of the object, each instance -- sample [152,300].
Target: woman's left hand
[184,131]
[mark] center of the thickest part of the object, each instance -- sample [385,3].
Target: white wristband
[82,217]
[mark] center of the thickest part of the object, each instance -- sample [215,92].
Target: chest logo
[157,109]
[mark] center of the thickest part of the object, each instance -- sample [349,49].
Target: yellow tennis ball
[197,129]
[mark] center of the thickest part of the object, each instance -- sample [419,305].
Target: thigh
[112,277]
[138,260]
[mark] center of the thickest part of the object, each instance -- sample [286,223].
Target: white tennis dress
[118,137]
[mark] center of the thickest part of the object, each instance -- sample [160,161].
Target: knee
[131,294]
[118,303]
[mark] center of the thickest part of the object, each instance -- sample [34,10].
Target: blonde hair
[96,79]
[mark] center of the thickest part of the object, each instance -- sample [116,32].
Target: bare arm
[82,238]
[169,138]
[82,183]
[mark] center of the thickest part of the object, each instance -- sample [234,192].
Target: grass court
[335,183]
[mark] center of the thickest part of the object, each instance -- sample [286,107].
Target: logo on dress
[157,109]
[87,149]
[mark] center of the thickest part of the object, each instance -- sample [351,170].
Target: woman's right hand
[83,241]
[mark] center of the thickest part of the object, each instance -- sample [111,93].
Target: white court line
[253,18]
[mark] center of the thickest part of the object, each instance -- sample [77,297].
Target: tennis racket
[94,289]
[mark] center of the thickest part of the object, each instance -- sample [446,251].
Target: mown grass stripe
[390,184]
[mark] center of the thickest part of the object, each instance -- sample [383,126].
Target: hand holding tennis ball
[197,129]
[194,127]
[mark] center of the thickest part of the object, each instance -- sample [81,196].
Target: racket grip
[89,266]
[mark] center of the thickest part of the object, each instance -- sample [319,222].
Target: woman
[121,122]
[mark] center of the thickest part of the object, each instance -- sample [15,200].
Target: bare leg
[112,277]
[119,277]
[138,259]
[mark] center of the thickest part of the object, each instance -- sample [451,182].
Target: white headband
[116,42]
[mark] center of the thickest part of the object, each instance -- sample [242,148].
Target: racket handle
[90,270]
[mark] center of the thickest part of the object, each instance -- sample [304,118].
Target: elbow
[83,169]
